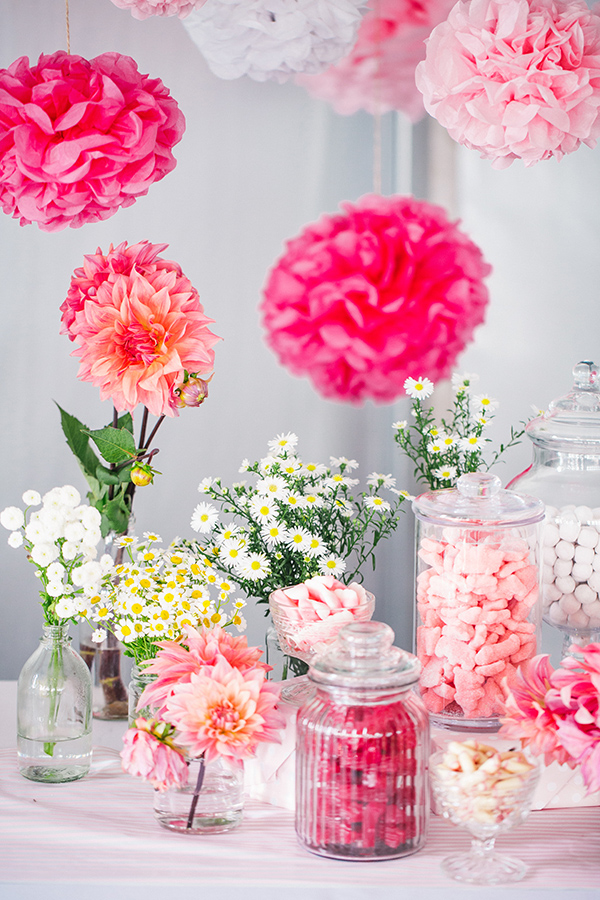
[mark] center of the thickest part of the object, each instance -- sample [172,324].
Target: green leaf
[115,515]
[115,444]
[77,437]
[125,421]
[105,476]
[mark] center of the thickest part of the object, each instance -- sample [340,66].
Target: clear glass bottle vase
[210,803]
[54,711]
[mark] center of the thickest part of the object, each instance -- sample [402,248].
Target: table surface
[100,834]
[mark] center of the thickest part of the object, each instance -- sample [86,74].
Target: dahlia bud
[142,474]
[192,392]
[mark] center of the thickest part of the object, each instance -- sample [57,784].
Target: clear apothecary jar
[362,750]
[478,610]
[565,474]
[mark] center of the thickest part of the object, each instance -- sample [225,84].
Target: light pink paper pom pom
[361,300]
[80,138]
[515,80]
[378,74]
[143,9]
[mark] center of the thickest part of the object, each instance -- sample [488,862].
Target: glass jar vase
[140,679]
[362,745]
[54,711]
[478,611]
[216,807]
[565,474]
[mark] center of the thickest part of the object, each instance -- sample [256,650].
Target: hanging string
[68,27]
[377,118]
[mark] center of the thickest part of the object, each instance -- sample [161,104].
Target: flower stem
[197,790]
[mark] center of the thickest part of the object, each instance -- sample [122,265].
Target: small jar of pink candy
[478,599]
[565,474]
[362,749]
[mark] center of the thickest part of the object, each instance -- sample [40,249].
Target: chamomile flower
[400,425]
[296,501]
[315,547]
[205,484]
[445,473]
[272,486]
[435,448]
[298,539]
[244,466]
[339,480]
[204,518]
[332,565]
[254,566]
[376,479]
[471,443]
[283,443]
[341,462]
[98,635]
[152,537]
[378,503]
[125,631]
[418,387]
[231,550]
[314,469]
[464,383]
[485,403]
[312,501]
[263,508]
[124,540]
[273,534]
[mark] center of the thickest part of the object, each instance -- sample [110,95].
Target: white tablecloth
[97,838]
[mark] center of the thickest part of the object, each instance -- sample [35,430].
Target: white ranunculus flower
[69,550]
[74,531]
[55,572]
[107,563]
[15,539]
[70,496]
[87,574]
[55,588]
[92,536]
[90,517]
[31,498]
[43,554]
[52,499]
[89,551]
[53,521]
[12,518]
[37,533]
[65,608]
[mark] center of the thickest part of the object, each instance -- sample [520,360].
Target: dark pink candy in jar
[362,745]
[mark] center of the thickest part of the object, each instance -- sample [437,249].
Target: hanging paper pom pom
[273,38]
[143,9]
[378,74]
[80,138]
[361,300]
[515,79]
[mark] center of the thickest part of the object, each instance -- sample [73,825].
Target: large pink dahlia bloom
[378,74]
[515,79]
[80,138]
[387,289]
[139,326]
[143,9]
[223,711]
[177,661]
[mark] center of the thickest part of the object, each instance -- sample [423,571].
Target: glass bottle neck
[55,634]
[563,461]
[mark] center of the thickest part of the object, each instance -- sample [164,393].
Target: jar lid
[363,657]
[573,420]
[478,498]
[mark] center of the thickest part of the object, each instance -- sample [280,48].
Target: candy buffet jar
[565,474]
[478,599]
[362,746]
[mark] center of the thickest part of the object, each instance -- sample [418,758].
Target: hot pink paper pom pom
[143,9]
[80,138]
[515,79]
[378,74]
[361,300]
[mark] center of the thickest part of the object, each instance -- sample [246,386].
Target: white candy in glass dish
[487,791]
[308,616]
[565,475]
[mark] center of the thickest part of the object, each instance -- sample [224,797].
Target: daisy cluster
[295,520]
[442,452]
[156,592]
[61,540]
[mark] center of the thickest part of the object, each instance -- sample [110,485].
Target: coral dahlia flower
[139,325]
[225,712]
[149,753]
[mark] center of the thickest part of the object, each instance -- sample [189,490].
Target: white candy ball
[594,581]
[550,535]
[579,619]
[551,594]
[549,556]
[569,529]
[569,604]
[556,615]
[596,562]
[585,594]
[566,585]
[584,513]
[565,550]
[588,536]
[548,575]
[584,554]
[562,567]
[581,571]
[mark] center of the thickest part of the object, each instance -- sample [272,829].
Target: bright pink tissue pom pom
[139,326]
[378,74]
[143,9]
[80,138]
[361,300]
[515,79]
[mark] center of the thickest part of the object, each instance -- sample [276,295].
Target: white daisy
[435,447]
[152,537]
[298,539]
[377,503]
[125,631]
[262,508]
[418,387]
[254,566]
[282,443]
[65,608]
[338,480]
[484,403]
[267,463]
[332,565]
[232,550]
[471,443]
[204,517]
[316,547]
[463,383]
[98,635]
[340,461]
[377,479]
[12,518]
[314,469]
[31,498]
[273,534]
[296,501]
[273,486]
[344,506]
[401,425]
[313,500]
[445,473]
[244,466]
[205,484]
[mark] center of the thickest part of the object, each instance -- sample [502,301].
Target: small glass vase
[215,808]
[140,679]
[54,711]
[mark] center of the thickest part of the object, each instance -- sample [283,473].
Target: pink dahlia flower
[177,661]
[223,711]
[361,300]
[80,138]
[515,79]
[139,325]
[557,712]
[143,9]
[149,753]
[378,74]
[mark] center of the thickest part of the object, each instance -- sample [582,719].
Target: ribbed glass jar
[362,745]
